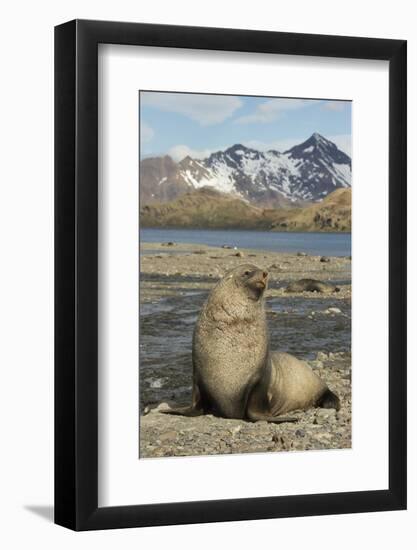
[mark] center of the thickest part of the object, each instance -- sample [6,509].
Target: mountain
[204,208]
[305,173]
[334,213]
[208,208]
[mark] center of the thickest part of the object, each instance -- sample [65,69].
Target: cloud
[146,133]
[204,109]
[271,110]
[335,105]
[178,152]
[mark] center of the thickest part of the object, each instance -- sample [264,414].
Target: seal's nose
[265,274]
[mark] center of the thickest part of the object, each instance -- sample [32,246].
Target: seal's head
[249,280]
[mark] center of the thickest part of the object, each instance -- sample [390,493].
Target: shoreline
[244,228]
[211,262]
[175,279]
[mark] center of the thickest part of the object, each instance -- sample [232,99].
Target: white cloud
[204,109]
[335,105]
[271,110]
[178,152]
[146,133]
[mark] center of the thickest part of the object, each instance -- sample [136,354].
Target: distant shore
[208,262]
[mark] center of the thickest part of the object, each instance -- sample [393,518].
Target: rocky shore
[207,262]
[175,279]
[167,435]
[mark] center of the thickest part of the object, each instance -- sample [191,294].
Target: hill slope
[332,214]
[207,208]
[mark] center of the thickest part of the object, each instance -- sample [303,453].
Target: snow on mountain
[306,172]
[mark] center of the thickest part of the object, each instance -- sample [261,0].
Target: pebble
[235,430]
[332,310]
[156,383]
[168,436]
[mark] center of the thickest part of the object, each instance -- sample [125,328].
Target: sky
[180,124]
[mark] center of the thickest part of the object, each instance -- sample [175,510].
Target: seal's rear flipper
[184,411]
[328,400]
[255,417]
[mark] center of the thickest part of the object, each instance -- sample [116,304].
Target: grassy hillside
[332,214]
[207,208]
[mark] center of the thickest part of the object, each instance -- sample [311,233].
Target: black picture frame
[76,272]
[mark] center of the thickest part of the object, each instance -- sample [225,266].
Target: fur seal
[311,285]
[234,373]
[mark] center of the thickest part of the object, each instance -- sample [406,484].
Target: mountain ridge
[307,172]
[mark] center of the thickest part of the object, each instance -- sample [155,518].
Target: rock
[168,436]
[302,254]
[321,356]
[160,407]
[332,311]
[170,243]
[325,259]
[235,430]
[156,383]
[199,252]
[300,433]
[227,246]
[239,254]
[325,415]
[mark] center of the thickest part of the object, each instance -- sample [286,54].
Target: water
[167,323]
[166,329]
[316,244]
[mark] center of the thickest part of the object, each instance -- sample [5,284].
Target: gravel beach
[175,280]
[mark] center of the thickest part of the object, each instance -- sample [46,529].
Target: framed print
[230,275]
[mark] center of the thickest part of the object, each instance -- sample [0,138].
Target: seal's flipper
[189,410]
[195,409]
[255,417]
[328,400]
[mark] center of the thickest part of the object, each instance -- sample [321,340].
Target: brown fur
[311,285]
[234,373]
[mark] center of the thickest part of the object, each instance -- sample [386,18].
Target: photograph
[245,274]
